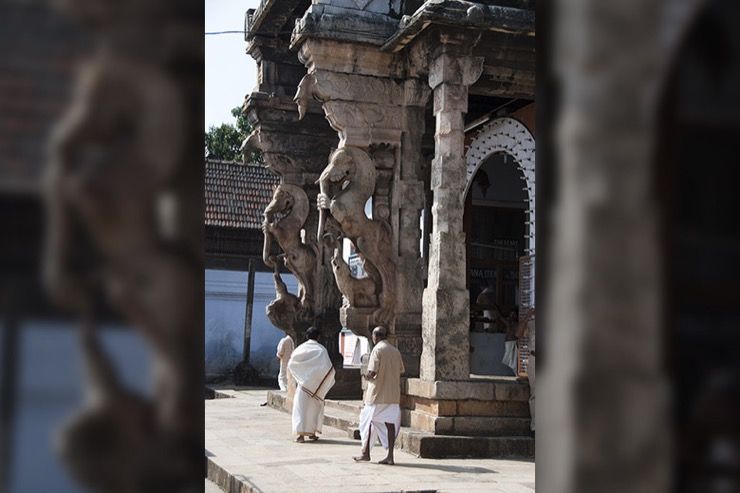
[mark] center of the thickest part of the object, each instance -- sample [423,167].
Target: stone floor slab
[249,448]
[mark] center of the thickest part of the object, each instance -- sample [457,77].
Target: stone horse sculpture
[358,292]
[284,217]
[346,184]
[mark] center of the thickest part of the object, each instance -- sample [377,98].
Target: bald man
[381,414]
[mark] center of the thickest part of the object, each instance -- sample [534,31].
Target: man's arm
[372,365]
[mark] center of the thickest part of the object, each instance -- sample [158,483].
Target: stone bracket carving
[286,311]
[284,218]
[364,110]
[346,184]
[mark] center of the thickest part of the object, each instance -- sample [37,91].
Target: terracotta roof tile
[237,194]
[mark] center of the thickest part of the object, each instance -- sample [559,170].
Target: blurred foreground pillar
[603,391]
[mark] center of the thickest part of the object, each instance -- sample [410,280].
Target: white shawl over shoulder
[311,367]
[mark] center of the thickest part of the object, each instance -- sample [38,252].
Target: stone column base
[491,407]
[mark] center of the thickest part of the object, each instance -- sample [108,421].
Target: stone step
[350,406]
[432,446]
[490,426]
[422,444]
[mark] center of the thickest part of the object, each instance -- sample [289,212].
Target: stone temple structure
[377,115]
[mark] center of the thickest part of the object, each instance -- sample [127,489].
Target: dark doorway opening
[495,226]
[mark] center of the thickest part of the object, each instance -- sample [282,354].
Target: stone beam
[456,14]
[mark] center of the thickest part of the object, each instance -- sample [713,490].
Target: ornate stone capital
[290,146]
[450,68]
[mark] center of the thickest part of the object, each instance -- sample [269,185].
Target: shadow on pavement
[332,441]
[441,467]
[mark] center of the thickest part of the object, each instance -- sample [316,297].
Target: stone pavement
[249,448]
[210,487]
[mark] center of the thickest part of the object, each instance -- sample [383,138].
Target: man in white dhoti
[313,372]
[381,415]
[284,351]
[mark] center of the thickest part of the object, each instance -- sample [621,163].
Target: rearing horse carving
[346,184]
[284,217]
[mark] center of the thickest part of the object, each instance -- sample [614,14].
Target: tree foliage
[224,141]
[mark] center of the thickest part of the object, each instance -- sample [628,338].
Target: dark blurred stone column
[602,396]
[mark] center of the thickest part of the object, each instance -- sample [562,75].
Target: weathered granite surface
[446,318]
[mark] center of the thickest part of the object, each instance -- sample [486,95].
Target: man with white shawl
[314,373]
[381,415]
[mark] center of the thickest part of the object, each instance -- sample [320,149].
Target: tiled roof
[237,194]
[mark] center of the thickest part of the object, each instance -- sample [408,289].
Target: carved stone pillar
[378,112]
[445,318]
[295,149]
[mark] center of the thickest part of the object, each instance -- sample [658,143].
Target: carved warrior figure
[346,184]
[284,217]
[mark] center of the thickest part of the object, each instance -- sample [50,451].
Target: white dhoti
[283,376]
[308,413]
[373,418]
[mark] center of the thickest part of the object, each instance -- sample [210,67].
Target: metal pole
[248,314]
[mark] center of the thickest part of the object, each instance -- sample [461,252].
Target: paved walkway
[251,447]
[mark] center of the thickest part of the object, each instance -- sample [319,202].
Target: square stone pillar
[446,307]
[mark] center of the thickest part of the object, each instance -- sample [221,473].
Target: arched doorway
[499,226]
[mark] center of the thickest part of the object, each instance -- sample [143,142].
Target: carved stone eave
[271,17]
[330,22]
[273,49]
[461,14]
